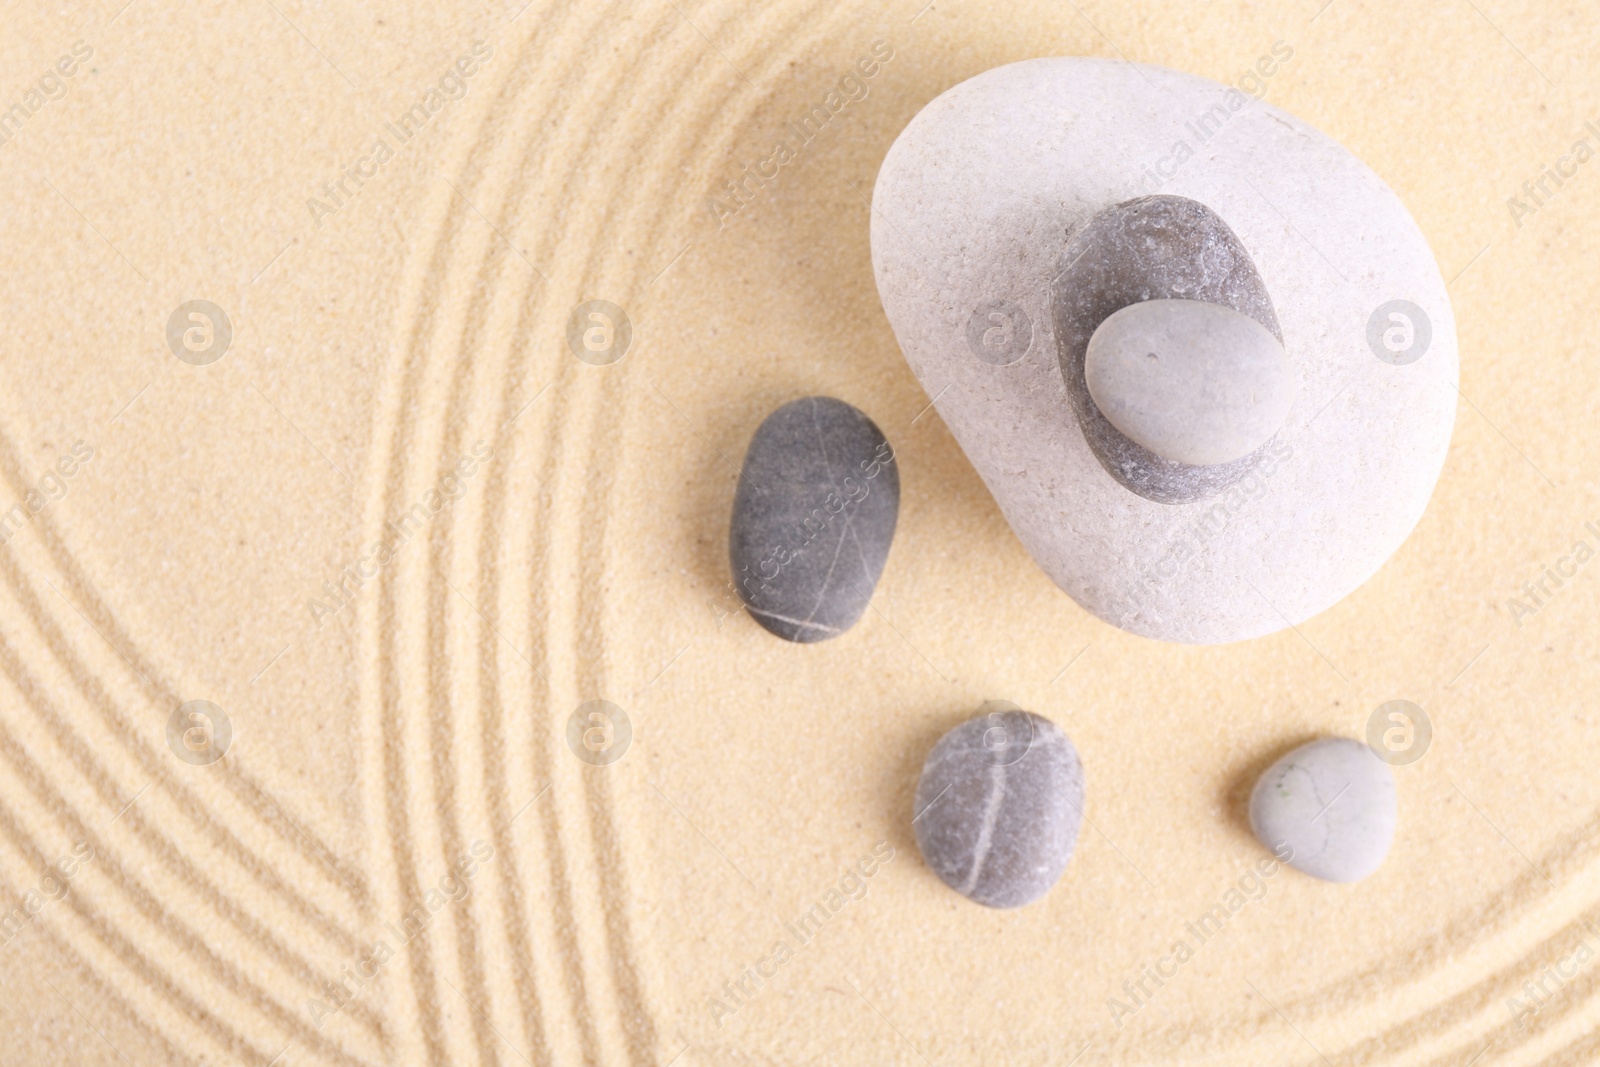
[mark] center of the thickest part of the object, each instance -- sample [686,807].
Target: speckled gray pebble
[1151,248]
[1332,802]
[998,807]
[813,516]
[1190,380]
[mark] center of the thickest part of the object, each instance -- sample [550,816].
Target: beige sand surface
[379,338]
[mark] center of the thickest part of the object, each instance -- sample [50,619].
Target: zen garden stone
[1332,803]
[1179,255]
[996,275]
[999,805]
[813,516]
[1194,382]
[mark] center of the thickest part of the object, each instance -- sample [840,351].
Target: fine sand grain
[399,533]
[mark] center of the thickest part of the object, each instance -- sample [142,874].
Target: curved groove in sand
[1446,1000]
[149,847]
[85,597]
[443,599]
[401,843]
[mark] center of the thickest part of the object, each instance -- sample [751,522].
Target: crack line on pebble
[991,815]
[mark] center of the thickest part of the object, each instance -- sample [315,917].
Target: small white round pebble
[1332,803]
[1193,381]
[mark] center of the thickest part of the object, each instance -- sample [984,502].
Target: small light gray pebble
[1332,802]
[813,516]
[1192,381]
[998,806]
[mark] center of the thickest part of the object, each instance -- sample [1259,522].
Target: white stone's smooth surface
[972,208]
[1192,381]
[1332,803]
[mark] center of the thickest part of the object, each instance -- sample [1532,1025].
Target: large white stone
[972,209]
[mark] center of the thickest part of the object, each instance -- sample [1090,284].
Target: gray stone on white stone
[1150,248]
[1328,808]
[973,208]
[998,806]
[1194,382]
[813,516]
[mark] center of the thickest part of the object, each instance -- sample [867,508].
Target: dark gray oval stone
[1151,248]
[998,806]
[812,518]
